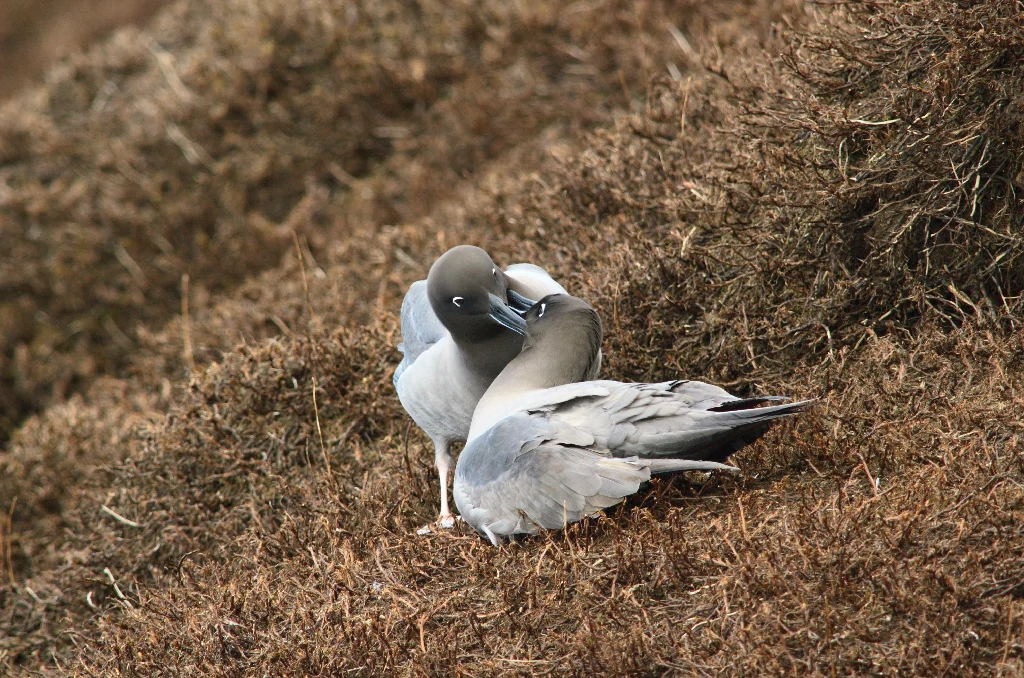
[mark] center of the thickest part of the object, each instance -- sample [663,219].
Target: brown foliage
[35,33]
[199,146]
[722,234]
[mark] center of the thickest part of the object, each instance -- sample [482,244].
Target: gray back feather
[527,473]
[421,327]
[677,419]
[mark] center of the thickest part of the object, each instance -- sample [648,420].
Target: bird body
[455,341]
[525,474]
[542,454]
[441,388]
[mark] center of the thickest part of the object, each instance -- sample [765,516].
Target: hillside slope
[828,208]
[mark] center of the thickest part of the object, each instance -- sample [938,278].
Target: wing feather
[682,420]
[421,327]
[502,490]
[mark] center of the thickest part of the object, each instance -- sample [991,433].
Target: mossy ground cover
[822,206]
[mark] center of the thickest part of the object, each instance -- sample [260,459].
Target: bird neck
[545,366]
[487,358]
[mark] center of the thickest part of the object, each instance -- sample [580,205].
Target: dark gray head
[469,295]
[562,318]
[563,339]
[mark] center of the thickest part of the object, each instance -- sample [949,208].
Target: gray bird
[544,452]
[459,330]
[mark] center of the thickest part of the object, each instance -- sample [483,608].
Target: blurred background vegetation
[35,33]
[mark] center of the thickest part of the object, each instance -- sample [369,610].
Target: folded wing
[421,327]
[677,419]
[528,473]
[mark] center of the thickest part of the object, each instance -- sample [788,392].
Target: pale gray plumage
[456,340]
[530,434]
[527,473]
[684,419]
[421,328]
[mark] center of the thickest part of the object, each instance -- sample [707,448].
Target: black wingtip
[761,421]
[748,403]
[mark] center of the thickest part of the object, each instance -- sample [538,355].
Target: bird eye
[543,307]
[457,301]
[494,272]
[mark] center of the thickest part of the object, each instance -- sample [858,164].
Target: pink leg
[443,461]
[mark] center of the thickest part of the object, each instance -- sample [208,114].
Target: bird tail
[725,430]
[750,408]
[659,466]
[748,403]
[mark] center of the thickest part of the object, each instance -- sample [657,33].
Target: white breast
[439,393]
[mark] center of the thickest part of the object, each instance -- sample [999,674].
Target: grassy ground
[820,204]
[35,33]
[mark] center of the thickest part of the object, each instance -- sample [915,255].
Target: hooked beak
[519,303]
[502,314]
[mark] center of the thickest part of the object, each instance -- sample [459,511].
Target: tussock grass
[198,146]
[754,224]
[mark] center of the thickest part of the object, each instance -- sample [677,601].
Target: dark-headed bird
[460,328]
[547,447]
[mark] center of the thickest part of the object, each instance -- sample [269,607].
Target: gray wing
[677,419]
[528,473]
[421,327]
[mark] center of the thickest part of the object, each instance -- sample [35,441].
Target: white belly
[440,394]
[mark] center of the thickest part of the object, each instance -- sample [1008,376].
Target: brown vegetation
[198,147]
[835,216]
[35,33]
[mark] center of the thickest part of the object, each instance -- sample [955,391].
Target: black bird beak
[502,314]
[519,303]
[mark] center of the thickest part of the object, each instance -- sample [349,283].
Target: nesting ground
[207,227]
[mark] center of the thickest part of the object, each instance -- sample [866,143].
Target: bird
[458,333]
[547,447]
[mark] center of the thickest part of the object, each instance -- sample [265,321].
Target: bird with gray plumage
[544,452]
[458,333]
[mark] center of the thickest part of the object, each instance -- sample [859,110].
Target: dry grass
[35,33]
[740,226]
[197,147]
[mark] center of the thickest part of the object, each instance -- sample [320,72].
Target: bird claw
[443,523]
